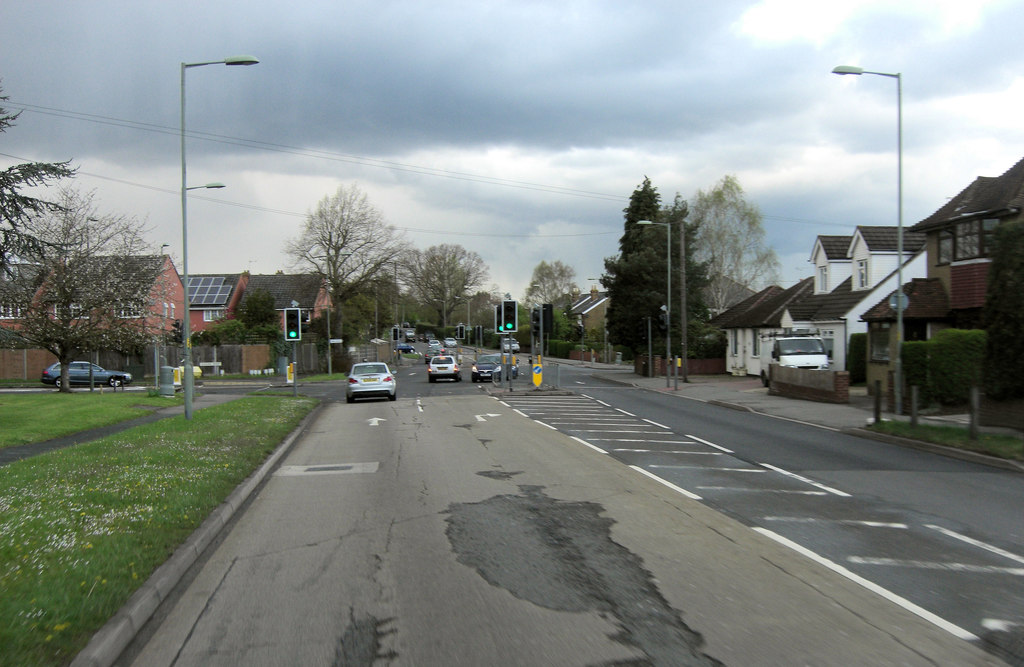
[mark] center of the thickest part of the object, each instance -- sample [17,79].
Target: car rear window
[374,368]
[442,360]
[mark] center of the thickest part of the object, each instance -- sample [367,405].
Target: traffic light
[479,334]
[460,331]
[579,331]
[535,320]
[497,317]
[509,316]
[395,334]
[293,324]
[548,318]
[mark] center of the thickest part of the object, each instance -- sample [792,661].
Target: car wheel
[431,378]
[392,397]
[58,383]
[114,382]
[350,399]
[764,379]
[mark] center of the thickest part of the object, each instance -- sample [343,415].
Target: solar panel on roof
[208,290]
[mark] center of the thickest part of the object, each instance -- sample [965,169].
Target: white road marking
[584,442]
[936,620]
[709,443]
[682,467]
[669,451]
[976,543]
[933,565]
[375,421]
[677,489]
[807,481]
[999,625]
[849,522]
[480,418]
[625,413]
[656,424]
[747,490]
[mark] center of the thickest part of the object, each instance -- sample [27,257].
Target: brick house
[214,297]
[958,245]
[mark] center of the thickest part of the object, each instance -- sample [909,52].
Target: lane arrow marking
[375,421]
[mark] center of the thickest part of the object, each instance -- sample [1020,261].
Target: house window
[823,279]
[756,344]
[879,338]
[9,312]
[968,240]
[130,312]
[862,273]
[213,314]
[735,342]
[828,337]
[945,247]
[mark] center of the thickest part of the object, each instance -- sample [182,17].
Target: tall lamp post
[668,296]
[900,297]
[187,381]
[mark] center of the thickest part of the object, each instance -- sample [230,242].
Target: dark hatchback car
[78,373]
[487,367]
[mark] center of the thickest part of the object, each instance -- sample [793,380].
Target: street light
[668,296]
[187,381]
[900,296]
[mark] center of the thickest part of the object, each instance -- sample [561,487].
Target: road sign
[538,374]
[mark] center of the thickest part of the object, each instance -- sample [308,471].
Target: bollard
[913,404]
[878,401]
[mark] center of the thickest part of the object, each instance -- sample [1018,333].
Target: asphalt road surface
[446,528]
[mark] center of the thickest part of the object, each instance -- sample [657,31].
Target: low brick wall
[821,386]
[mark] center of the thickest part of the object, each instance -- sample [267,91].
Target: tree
[258,309]
[444,276]
[16,208]
[551,283]
[1003,316]
[88,286]
[730,241]
[347,242]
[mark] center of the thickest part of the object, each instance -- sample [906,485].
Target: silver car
[371,380]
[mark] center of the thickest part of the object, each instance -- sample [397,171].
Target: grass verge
[37,417]
[82,528]
[994,444]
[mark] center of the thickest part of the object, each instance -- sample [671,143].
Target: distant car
[78,373]
[410,335]
[506,345]
[443,366]
[405,347]
[370,380]
[451,342]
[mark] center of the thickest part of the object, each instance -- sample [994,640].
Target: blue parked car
[78,373]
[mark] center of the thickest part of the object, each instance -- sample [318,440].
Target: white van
[795,351]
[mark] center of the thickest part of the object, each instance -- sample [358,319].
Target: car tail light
[389,379]
[353,381]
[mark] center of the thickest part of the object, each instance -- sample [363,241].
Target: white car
[506,344]
[450,342]
[443,367]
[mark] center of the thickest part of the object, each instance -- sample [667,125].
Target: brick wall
[821,386]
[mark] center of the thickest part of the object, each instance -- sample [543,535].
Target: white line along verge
[584,442]
[976,543]
[934,619]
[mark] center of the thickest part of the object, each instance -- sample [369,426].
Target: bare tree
[347,242]
[88,287]
[444,276]
[731,241]
[552,282]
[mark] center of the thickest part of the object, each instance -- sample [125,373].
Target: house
[958,247]
[305,290]
[214,297]
[591,309]
[851,273]
[747,323]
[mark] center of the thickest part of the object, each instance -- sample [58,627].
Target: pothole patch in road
[327,469]
[499,474]
[560,555]
[361,642]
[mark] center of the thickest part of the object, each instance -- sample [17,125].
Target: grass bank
[82,528]
[41,416]
[994,444]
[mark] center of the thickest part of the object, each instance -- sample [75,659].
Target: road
[447,529]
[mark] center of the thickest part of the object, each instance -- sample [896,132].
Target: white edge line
[607,405]
[520,413]
[656,424]
[543,424]
[584,442]
[677,489]
[625,413]
[806,480]
[709,444]
[936,620]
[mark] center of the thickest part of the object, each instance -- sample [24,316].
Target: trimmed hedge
[945,367]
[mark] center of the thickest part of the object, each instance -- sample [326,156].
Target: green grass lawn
[994,444]
[36,417]
[83,527]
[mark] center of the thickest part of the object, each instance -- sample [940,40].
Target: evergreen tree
[1004,315]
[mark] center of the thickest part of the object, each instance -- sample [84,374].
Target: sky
[518,129]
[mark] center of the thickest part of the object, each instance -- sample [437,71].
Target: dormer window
[863,281]
[823,278]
